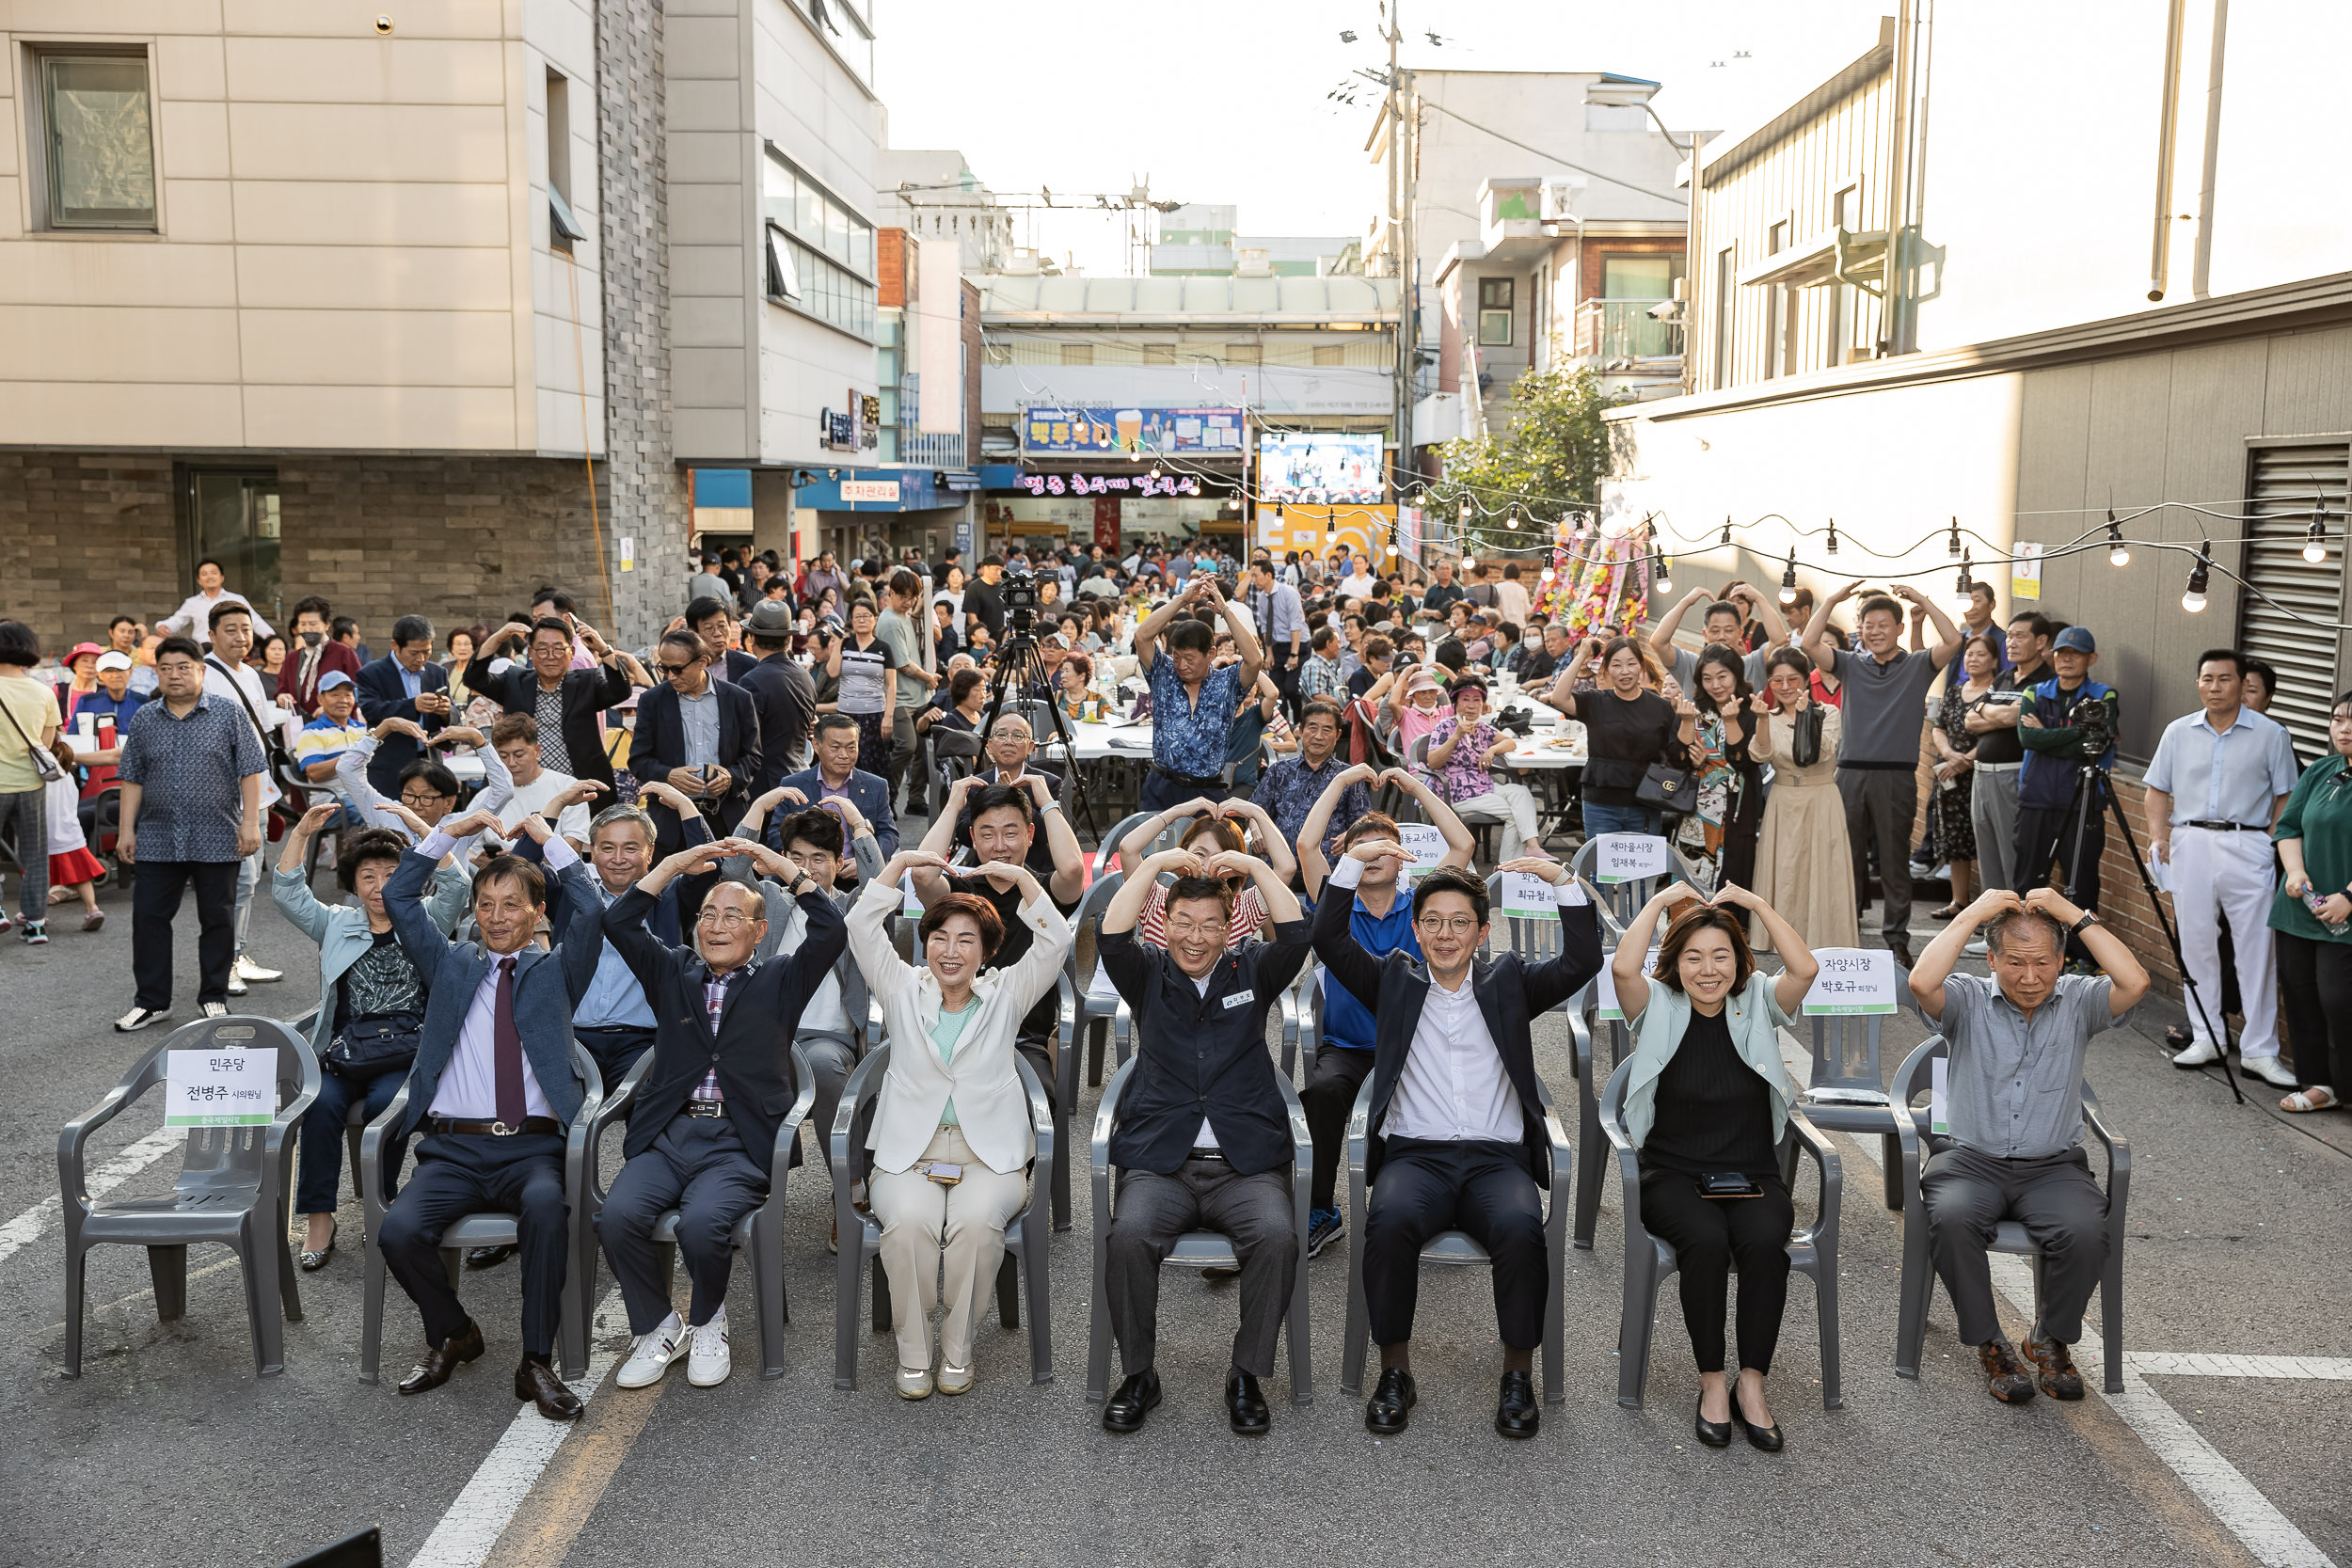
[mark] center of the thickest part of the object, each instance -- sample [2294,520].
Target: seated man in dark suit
[709,1104]
[564,701]
[404,684]
[1456,1127]
[698,735]
[493,1090]
[836,776]
[1203,1140]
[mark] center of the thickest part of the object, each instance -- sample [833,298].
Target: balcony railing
[918,451]
[1610,329]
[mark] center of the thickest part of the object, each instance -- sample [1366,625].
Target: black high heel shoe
[1767,1438]
[314,1258]
[1715,1435]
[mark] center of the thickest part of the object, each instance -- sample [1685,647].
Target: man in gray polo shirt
[1883,696]
[1723,625]
[2013,1103]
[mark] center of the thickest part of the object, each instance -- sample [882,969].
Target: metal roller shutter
[2284,484]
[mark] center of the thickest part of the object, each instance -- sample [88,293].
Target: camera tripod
[1020,665]
[2090,784]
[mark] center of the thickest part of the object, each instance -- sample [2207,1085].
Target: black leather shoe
[1244,1405]
[535,1381]
[1767,1438]
[444,1358]
[1715,1435]
[1392,1402]
[490,1257]
[1901,949]
[1132,1401]
[1517,1414]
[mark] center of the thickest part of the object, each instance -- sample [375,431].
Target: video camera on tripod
[1019,591]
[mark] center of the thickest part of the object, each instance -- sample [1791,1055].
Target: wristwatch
[2090,918]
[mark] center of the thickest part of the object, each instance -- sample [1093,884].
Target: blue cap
[2078,639]
[332,679]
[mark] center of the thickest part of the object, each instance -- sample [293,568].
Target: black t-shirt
[2003,745]
[1040,857]
[1044,1017]
[1714,1111]
[986,602]
[1622,740]
[1361,682]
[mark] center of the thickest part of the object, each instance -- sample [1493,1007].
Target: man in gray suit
[492,1091]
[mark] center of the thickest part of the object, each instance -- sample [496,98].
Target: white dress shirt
[469,1091]
[193,619]
[1453,1088]
[2233,775]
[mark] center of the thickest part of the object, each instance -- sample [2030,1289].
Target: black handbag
[386,1042]
[1672,790]
[1804,736]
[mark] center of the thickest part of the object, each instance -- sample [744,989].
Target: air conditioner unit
[1560,196]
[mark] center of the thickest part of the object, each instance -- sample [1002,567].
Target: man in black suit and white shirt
[1457,1117]
[562,700]
[404,684]
[698,734]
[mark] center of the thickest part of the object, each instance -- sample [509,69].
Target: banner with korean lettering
[1111,431]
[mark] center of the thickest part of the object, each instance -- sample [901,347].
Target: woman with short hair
[1707,1102]
[951,1140]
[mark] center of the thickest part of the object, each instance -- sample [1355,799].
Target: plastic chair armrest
[602,1116]
[2118,1163]
[1041,1109]
[863,1085]
[372,1173]
[74,1136]
[787,1131]
[1831,1195]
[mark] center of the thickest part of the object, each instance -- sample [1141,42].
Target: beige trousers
[943,1243]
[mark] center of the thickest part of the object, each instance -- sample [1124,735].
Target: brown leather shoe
[2009,1382]
[535,1381]
[444,1358]
[2058,1377]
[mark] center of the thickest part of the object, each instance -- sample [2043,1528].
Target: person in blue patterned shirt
[1292,785]
[1193,703]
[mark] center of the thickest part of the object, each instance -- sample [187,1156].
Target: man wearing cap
[2068,722]
[321,742]
[782,693]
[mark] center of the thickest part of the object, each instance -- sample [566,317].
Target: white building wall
[348,224]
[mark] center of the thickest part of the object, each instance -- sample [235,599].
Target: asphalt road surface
[2228,1445]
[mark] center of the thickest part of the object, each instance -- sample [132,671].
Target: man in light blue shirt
[613,1017]
[2218,779]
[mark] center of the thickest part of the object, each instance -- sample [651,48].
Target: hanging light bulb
[1953,548]
[1789,580]
[1544,575]
[2193,599]
[1465,513]
[1392,547]
[1833,536]
[1512,521]
[1277,512]
[2315,547]
[1961,593]
[2118,553]
[1665,574]
[1155,470]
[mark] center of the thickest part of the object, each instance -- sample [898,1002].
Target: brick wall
[83,536]
[2123,901]
[890,268]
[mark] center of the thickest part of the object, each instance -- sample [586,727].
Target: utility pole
[1404,126]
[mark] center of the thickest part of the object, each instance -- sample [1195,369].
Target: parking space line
[2152,1363]
[26,1228]
[470,1527]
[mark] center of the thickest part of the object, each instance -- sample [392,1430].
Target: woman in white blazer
[951,1140]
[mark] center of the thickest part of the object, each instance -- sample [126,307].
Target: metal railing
[1625,329]
[918,451]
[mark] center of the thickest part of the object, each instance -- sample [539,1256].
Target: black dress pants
[1328,1096]
[1710,1238]
[2317,979]
[156,889]
[1484,1189]
[461,1174]
[698,1166]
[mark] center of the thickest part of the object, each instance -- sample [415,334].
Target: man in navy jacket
[717,774]
[494,1091]
[836,773]
[1456,1134]
[404,684]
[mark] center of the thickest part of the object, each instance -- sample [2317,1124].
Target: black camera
[1018,589]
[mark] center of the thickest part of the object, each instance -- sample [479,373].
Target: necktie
[507,1049]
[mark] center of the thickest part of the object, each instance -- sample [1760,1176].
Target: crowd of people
[689,856]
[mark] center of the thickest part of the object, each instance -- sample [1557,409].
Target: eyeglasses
[413,798]
[725,920]
[675,668]
[1454,926]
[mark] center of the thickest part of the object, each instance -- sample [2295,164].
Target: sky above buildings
[1227,100]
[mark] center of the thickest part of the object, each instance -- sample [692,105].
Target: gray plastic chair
[759,1234]
[1197,1249]
[1086,1013]
[490,1228]
[1812,1250]
[1454,1247]
[1844,1093]
[1024,1240]
[1535,940]
[1918,1276]
[233,1187]
[1621,901]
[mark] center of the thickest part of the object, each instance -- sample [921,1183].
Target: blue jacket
[870,795]
[547,985]
[382,696]
[2054,750]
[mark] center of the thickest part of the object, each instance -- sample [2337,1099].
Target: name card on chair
[1628,856]
[1607,983]
[1425,843]
[1853,980]
[227,1086]
[1939,1114]
[1528,896]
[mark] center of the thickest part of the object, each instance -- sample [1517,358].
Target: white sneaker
[914,1383]
[215,1009]
[2269,1069]
[1975,948]
[709,1362]
[954,1379]
[651,1355]
[249,971]
[2199,1053]
[139,1018]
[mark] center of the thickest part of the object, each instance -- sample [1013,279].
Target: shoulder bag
[45,765]
[384,1043]
[1804,736]
[273,749]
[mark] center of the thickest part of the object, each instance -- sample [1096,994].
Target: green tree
[1551,459]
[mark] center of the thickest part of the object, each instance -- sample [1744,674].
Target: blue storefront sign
[1109,432]
[877,490]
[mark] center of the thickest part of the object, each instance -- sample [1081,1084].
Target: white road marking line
[26,1229]
[2221,1486]
[470,1528]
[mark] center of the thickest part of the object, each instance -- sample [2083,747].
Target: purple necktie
[507,1049]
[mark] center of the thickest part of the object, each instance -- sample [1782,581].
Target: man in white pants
[2218,782]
